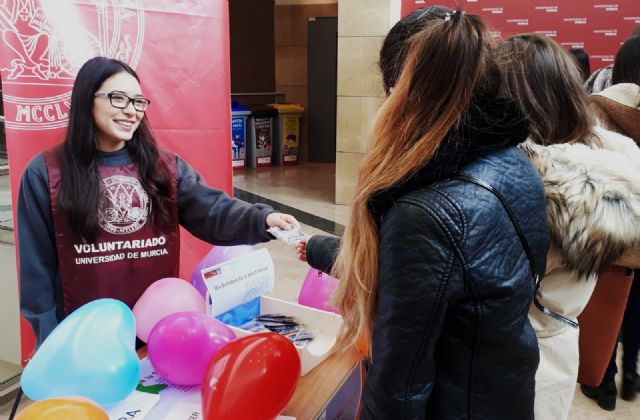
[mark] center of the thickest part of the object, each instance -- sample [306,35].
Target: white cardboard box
[324,326]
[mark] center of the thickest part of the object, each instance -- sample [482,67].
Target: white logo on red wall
[124,206]
[45,42]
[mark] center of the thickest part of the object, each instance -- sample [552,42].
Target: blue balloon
[90,354]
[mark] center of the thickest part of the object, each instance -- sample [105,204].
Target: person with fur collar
[591,178]
[618,109]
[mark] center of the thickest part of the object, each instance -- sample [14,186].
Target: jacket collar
[490,124]
[621,105]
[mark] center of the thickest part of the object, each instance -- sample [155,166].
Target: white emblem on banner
[49,40]
[125,205]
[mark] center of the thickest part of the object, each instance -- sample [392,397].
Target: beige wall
[291,53]
[362,26]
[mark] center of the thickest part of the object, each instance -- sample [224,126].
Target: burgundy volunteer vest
[131,249]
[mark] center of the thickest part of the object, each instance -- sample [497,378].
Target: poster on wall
[45,42]
[598,26]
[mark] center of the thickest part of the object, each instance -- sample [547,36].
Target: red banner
[180,50]
[599,26]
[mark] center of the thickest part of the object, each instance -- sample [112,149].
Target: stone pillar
[362,26]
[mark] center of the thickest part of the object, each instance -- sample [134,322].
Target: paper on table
[170,395]
[239,281]
[136,406]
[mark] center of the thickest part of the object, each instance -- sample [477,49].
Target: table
[316,388]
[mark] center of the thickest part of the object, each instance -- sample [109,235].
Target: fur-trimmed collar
[490,124]
[593,199]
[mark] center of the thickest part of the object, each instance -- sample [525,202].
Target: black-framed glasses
[121,101]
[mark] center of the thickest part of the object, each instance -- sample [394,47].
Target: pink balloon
[165,297]
[317,290]
[181,345]
[217,255]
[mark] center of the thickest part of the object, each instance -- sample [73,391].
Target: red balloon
[251,378]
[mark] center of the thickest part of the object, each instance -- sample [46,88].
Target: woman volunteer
[99,215]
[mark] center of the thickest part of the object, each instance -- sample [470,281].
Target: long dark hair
[446,60]
[81,190]
[626,68]
[582,59]
[546,82]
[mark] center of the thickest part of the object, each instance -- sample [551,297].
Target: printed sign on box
[238,281]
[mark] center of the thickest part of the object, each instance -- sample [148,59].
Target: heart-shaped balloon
[90,354]
[217,255]
[165,297]
[317,290]
[182,344]
[252,377]
[63,408]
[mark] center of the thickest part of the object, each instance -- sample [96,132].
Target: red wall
[180,50]
[600,27]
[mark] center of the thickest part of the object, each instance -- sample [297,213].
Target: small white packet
[290,237]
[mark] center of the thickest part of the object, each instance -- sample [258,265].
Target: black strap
[537,278]
[16,403]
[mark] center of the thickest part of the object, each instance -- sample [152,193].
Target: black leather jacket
[451,336]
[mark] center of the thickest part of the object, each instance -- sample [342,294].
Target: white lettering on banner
[573,44]
[606,7]
[519,22]
[548,9]
[606,32]
[47,42]
[35,113]
[550,34]
[604,58]
[120,245]
[636,19]
[577,20]
[493,10]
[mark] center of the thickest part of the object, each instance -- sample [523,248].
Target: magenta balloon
[181,345]
[165,297]
[317,290]
[217,255]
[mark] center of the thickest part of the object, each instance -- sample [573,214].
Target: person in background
[602,78]
[447,230]
[618,109]
[582,59]
[109,192]
[592,184]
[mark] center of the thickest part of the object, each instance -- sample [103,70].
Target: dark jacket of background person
[450,263]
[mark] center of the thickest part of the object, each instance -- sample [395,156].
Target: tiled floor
[309,188]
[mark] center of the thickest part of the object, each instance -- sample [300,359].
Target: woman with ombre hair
[447,230]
